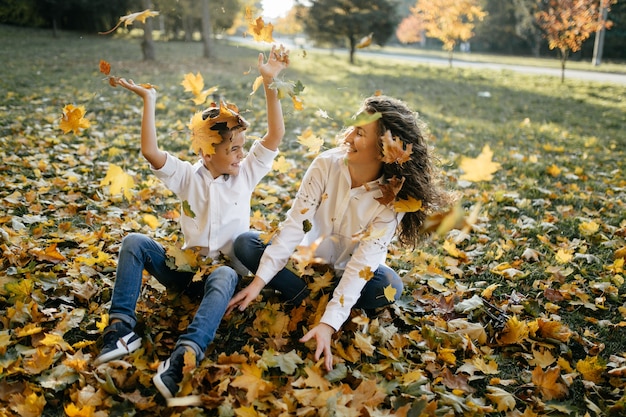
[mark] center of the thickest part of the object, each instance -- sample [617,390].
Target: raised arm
[276,62]
[149,145]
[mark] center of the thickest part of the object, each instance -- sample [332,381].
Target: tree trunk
[564,54]
[206,30]
[147,45]
[352,49]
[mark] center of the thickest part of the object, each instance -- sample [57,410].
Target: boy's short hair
[214,125]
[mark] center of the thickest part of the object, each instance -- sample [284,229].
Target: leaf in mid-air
[105,67]
[73,119]
[187,210]
[365,41]
[390,190]
[260,31]
[409,205]
[363,118]
[129,19]
[394,150]
[195,85]
[311,141]
[390,293]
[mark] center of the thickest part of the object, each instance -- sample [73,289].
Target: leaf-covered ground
[518,311]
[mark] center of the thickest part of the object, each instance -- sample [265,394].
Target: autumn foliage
[514,306]
[568,23]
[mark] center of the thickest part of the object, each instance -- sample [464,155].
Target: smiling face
[363,144]
[227,157]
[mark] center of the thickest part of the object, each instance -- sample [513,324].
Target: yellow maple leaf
[554,170]
[185,260]
[551,329]
[364,343]
[547,383]
[204,134]
[591,368]
[366,273]
[588,228]
[480,168]
[129,19]
[118,181]
[258,29]
[311,141]
[31,405]
[394,150]
[390,293]
[251,380]
[542,358]
[73,410]
[272,321]
[281,165]
[563,256]
[151,220]
[514,332]
[503,399]
[73,119]
[409,205]
[195,84]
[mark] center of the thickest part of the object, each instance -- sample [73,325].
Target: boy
[217,189]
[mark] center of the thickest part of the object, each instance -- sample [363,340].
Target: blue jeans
[249,249]
[139,252]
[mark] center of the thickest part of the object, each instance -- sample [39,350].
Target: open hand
[243,298]
[323,334]
[276,62]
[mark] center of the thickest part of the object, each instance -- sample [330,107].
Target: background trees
[568,23]
[509,26]
[334,21]
[450,21]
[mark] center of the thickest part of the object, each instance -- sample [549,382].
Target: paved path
[605,77]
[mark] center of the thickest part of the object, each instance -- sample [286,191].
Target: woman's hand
[243,298]
[276,62]
[323,334]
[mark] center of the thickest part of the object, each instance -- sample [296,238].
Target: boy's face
[228,154]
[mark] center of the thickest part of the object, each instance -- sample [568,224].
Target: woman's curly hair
[422,178]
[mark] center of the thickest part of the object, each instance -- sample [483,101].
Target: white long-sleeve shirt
[354,228]
[221,205]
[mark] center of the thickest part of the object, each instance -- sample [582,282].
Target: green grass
[561,150]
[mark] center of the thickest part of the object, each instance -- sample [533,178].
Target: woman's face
[363,144]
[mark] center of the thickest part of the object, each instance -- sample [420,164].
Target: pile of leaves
[515,308]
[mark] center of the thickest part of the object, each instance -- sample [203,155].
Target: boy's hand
[243,298]
[142,90]
[276,62]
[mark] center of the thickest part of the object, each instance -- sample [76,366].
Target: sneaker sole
[158,382]
[119,352]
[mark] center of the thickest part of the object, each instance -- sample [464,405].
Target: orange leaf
[129,19]
[251,380]
[105,67]
[547,383]
[258,29]
[390,190]
[394,151]
[514,332]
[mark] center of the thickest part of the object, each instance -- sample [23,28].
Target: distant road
[597,76]
[604,77]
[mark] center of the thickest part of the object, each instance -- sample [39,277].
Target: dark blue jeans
[249,249]
[139,252]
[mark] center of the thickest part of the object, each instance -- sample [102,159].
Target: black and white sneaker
[170,373]
[118,340]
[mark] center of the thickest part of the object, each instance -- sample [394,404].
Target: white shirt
[354,228]
[221,205]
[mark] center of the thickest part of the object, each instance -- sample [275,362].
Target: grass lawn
[519,309]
